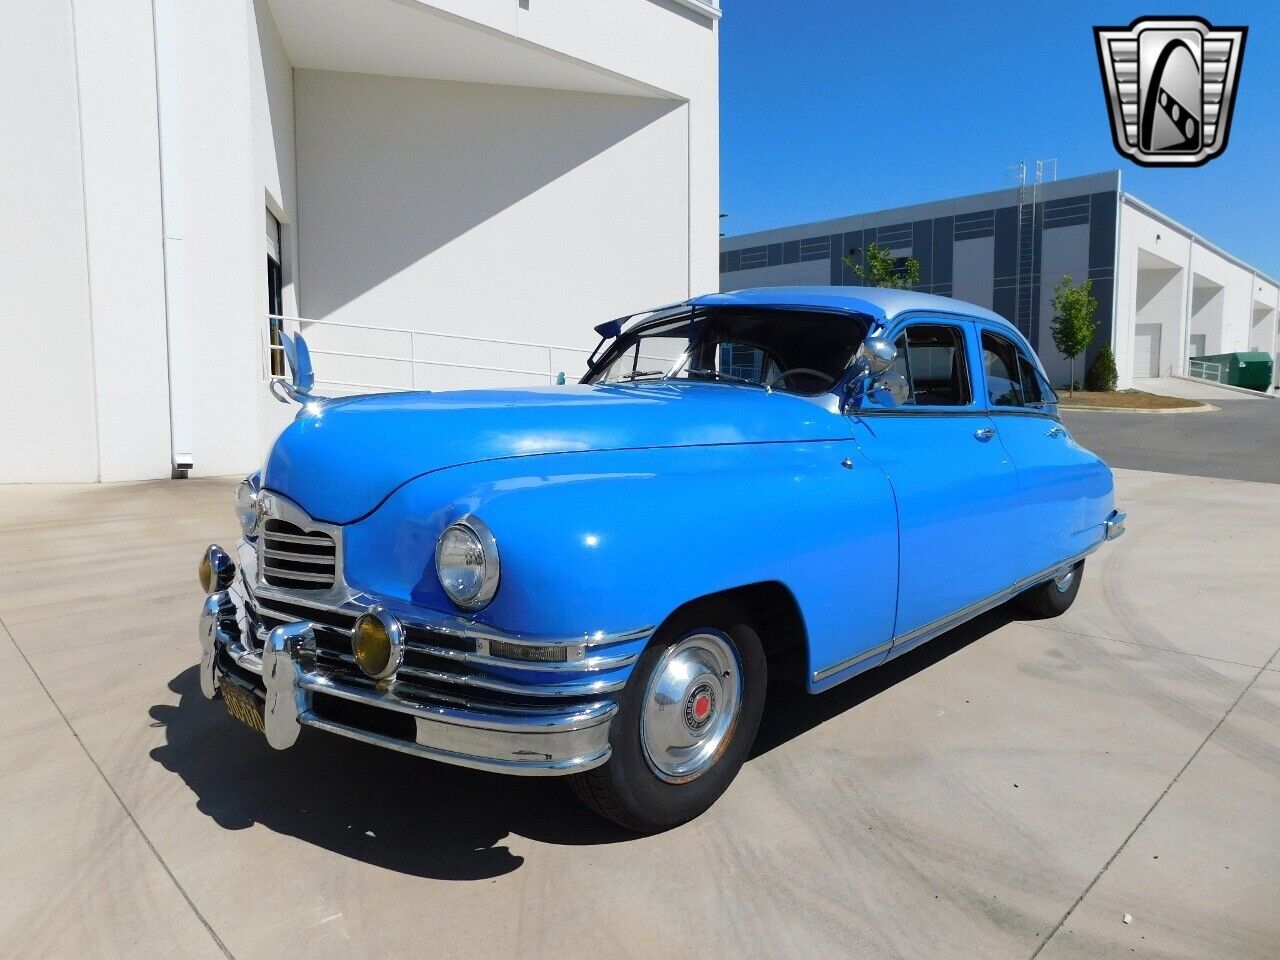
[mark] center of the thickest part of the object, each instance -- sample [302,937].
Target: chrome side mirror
[889,390]
[301,376]
[876,355]
[871,381]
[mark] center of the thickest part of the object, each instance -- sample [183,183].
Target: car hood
[340,461]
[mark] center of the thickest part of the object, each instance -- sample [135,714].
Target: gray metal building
[1165,294]
[1003,250]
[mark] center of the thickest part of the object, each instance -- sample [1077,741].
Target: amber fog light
[377,642]
[217,570]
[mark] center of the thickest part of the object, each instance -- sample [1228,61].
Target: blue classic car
[597,580]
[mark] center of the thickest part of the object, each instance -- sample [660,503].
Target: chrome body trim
[311,558]
[273,506]
[852,661]
[1115,524]
[517,740]
[906,641]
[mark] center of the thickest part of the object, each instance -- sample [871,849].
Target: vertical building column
[123,224]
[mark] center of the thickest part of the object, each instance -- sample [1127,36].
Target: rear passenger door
[1057,478]
[954,484]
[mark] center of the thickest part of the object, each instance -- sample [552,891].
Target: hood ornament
[301,377]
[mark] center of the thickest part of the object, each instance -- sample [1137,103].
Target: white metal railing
[414,355]
[1206,370]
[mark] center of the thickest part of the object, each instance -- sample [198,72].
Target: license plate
[243,705]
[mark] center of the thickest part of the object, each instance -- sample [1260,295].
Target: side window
[1030,380]
[1000,363]
[931,357]
[1047,393]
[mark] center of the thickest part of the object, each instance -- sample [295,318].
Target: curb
[1201,408]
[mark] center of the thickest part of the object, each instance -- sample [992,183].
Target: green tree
[883,270]
[1101,374]
[1074,322]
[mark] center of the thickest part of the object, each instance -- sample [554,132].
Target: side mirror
[876,355]
[889,390]
[872,382]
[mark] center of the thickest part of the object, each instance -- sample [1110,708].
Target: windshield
[792,350]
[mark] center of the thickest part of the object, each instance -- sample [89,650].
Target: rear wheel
[1053,597]
[685,723]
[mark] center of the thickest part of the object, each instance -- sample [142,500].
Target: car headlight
[247,505]
[467,563]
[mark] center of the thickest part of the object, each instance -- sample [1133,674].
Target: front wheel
[685,723]
[1053,597]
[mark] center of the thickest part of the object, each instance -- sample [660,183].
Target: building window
[275,296]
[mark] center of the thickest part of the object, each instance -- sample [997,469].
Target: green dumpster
[1246,368]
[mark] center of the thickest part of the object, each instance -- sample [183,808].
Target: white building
[1178,297]
[457,189]
[1165,294]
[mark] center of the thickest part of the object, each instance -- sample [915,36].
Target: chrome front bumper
[541,741]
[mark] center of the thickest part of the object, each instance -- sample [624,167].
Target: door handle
[1056,432]
[984,434]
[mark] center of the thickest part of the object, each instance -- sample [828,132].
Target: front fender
[614,541]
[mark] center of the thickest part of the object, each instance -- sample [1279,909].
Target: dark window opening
[931,357]
[1000,362]
[275,296]
[796,351]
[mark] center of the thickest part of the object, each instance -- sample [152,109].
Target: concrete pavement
[1012,789]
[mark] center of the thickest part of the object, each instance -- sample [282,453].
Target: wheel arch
[772,610]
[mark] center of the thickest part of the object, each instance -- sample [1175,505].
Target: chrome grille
[289,556]
[435,664]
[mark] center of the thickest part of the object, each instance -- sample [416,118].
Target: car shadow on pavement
[430,819]
[790,710]
[374,805]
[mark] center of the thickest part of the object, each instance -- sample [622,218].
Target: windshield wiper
[637,374]
[728,377]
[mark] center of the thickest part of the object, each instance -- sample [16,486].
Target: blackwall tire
[685,724]
[1053,597]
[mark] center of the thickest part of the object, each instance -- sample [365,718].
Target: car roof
[882,303]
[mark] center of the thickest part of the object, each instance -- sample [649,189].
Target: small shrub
[1101,375]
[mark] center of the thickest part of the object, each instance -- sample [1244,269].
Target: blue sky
[834,107]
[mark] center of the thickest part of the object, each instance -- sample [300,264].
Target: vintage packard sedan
[597,580]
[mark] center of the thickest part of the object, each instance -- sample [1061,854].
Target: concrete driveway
[1012,789]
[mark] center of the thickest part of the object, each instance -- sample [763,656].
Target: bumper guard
[534,742]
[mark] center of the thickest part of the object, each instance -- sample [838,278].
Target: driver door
[954,483]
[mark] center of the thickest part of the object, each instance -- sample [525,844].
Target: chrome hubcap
[1063,581]
[690,706]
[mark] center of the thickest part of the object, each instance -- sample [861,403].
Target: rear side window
[1004,377]
[1030,382]
[931,357]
